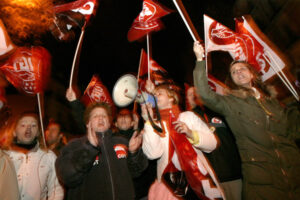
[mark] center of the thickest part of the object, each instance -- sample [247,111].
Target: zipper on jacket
[109,171]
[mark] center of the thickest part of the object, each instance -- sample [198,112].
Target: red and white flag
[96,92]
[248,43]
[28,69]
[85,7]
[157,74]
[147,21]
[256,47]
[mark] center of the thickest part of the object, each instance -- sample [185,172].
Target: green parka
[270,157]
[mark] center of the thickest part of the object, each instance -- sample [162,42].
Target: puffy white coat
[156,147]
[36,175]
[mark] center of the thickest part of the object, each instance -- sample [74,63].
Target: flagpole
[137,77]
[188,22]
[148,55]
[79,44]
[286,82]
[41,118]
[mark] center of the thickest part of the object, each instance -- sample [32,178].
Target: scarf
[187,157]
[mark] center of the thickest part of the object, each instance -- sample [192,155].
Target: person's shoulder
[187,114]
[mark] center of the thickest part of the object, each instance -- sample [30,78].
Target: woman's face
[241,75]
[26,130]
[163,100]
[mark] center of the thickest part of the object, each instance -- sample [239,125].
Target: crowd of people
[236,146]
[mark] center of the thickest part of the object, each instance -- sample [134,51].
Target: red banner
[96,92]
[157,75]
[248,43]
[147,21]
[28,69]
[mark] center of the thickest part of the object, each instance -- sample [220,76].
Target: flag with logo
[28,69]
[147,21]
[97,92]
[247,43]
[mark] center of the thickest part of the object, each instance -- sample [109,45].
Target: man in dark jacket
[98,166]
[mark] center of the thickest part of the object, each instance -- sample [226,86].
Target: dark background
[106,51]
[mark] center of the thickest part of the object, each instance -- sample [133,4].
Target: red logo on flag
[96,92]
[147,21]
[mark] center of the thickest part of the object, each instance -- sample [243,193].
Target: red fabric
[97,92]
[85,7]
[187,156]
[28,69]
[147,21]
[157,73]
[247,43]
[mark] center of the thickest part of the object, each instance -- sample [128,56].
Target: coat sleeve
[75,160]
[77,110]
[137,163]
[207,139]
[211,99]
[152,144]
[55,190]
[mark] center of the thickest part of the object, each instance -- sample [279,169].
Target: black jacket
[91,173]
[225,160]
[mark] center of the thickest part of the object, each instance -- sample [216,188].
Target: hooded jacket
[270,158]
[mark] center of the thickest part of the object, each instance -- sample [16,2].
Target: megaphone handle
[157,128]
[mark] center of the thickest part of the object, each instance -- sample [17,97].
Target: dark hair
[256,80]
[92,106]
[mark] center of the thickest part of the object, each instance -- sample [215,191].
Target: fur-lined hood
[244,93]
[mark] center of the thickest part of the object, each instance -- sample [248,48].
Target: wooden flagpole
[282,76]
[75,59]
[187,20]
[41,118]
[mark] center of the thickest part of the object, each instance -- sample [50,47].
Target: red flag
[147,21]
[85,7]
[6,45]
[218,37]
[28,69]
[256,47]
[157,73]
[96,92]
[248,43]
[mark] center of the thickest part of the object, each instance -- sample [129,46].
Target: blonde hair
[172,92]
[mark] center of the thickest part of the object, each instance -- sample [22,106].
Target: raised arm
[211,99]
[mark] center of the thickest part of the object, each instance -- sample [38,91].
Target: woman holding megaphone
[181,165]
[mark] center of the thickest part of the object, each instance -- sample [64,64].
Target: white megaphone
[125,92]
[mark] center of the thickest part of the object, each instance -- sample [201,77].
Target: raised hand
[70,95]
[199,51]
[135,141]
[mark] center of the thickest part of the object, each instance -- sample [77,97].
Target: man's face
[163,100]
[99,120]
[124,122]
[241,75]
[26,130]
[52,133]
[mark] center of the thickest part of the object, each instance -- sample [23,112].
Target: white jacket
[156,147]
[36,175]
